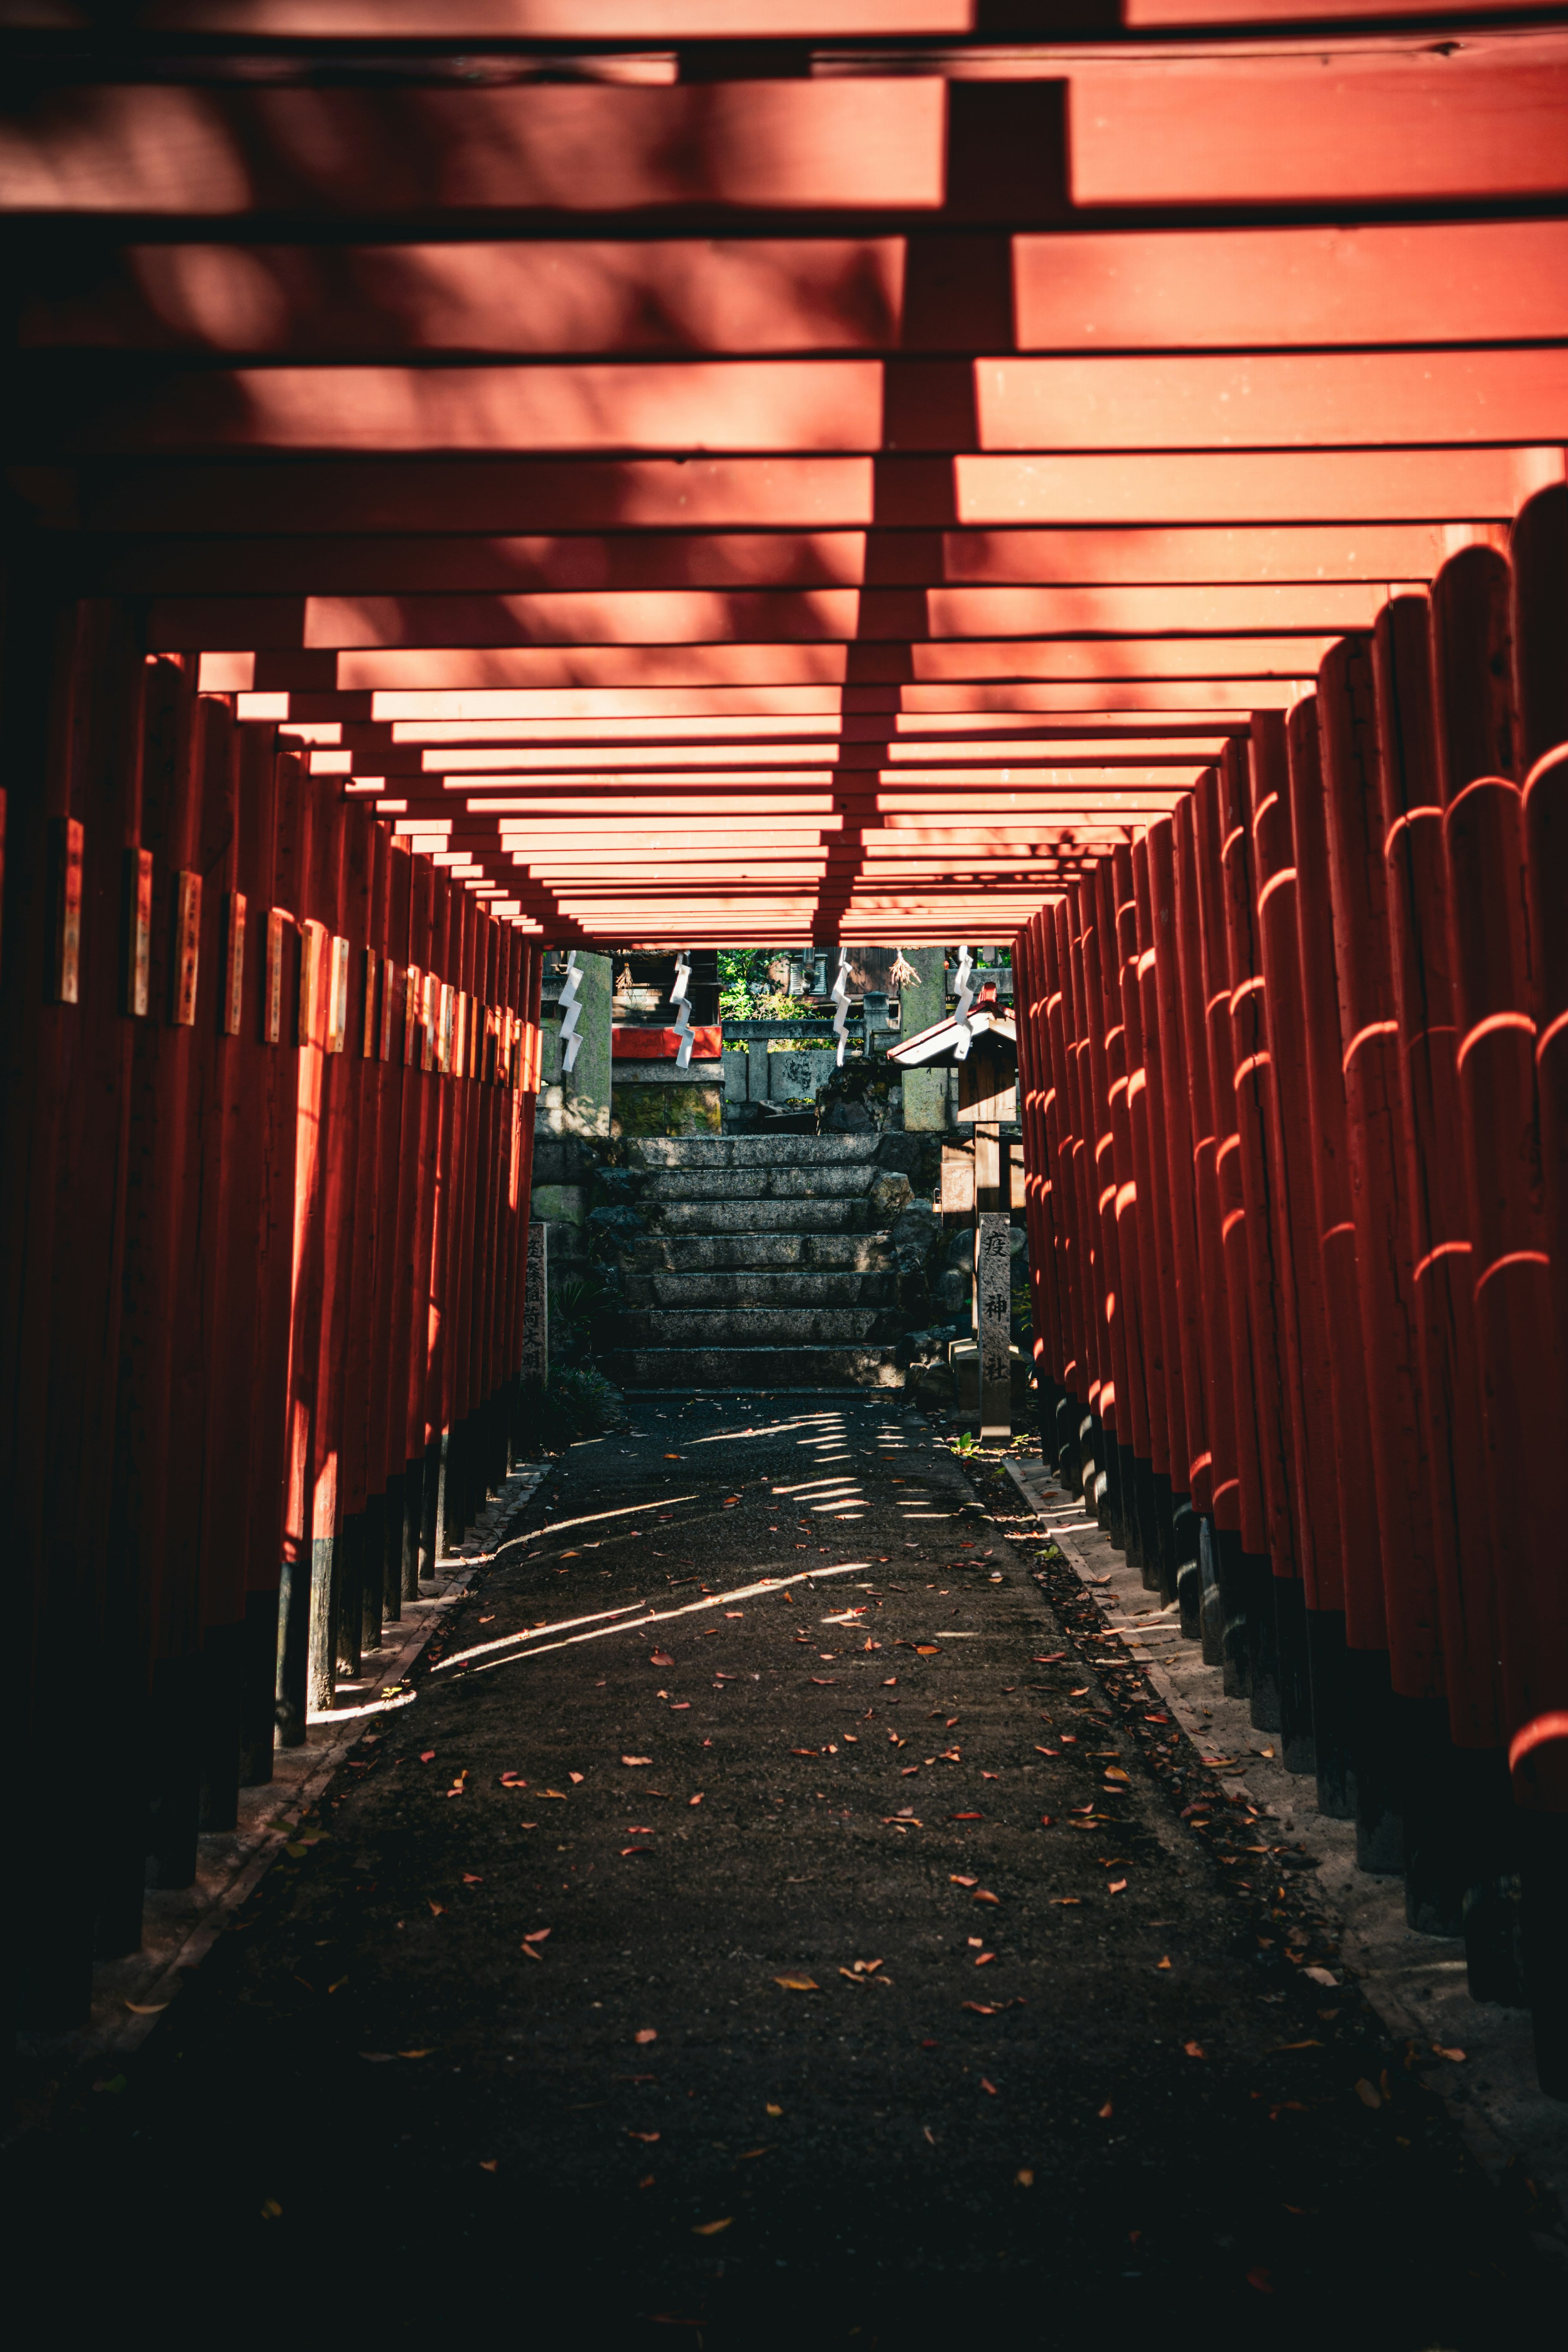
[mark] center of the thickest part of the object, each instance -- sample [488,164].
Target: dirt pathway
[785,1962]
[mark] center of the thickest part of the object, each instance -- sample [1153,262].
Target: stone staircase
[765,1265]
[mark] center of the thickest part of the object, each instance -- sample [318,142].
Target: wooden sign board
[136,980]
[233,961]
[187,948]
[337,1029]
[535,1363]
[279,921]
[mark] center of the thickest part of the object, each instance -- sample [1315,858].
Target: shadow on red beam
[1448,281]
[485,497]
[637,563]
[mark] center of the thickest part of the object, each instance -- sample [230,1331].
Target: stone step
[830,1184]
[755,1368]
[754,1289]
[688,1253]
[754,1326]
[760,1216]
[752,1151]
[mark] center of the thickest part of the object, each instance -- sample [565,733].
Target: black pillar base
[1375,1748]
[259,1682]
[392,1509]
[1114,1520]
[1160,1514]
[348,1595]
[1059,1443]
[1234,1581]
[293,1648]
[431,1499]
[1134,1544]
[1262,1641]
[1211,1608]
[222,1677]
[372,1573]
[1330,1663]
[1185,1568]
[1434,1815]
[1298,1746]
[1544,1875]
[413,1520]
[1493,1903]
[173,1777]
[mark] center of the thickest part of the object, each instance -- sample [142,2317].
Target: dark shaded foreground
[520,2057]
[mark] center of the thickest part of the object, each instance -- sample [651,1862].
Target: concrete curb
[1414,1983]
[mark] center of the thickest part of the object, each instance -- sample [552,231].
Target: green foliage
[575,1402]
[742,972]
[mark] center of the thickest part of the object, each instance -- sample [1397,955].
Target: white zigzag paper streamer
[571,1013]
[966,994]
[682,1012]
[841,999]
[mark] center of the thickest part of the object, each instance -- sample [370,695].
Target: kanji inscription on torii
[535,1364]
[994,1304]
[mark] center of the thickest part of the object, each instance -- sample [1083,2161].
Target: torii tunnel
[489,475]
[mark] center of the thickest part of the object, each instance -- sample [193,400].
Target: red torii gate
[652,474]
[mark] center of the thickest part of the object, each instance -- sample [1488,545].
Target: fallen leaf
[983,1895]
[1296,2045]
[428,1757]
[513,1780]
[1163,1964]
[747,2154]
[1066,1898]
[928,1649]
[661,1658]
[981,2008]
[711,2229]
[696,1799]
[1055,1659]
[416,2053]
[1024,2178]
[773,2110]
[635,1849]
[530,1953]
[986,2085]
[637,1760]
[1118,1887]
[436,1908]
[1105,2113]
[271,2209]
[536,1935]
[798,1984]
[1259,2278]
[1115,1772]
[929,2133]
[1368,2094]
[675,1457]
[470,1879]
[488,2163]
[1194,2050]
[1457,2056]
[558,1794]
[146,2008]
[984,1959]
[647,2034]
[648,2137]
[1323,1977]
[956,1879]
[575,1779]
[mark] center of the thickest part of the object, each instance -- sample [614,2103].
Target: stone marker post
[993,1316]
